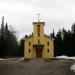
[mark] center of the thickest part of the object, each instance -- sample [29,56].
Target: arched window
[38,41]
[47,43]
[29,50]
[38,28]
[38,34]
[48,50]
[29,43]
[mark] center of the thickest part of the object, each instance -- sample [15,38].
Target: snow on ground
[73,67]
[22,58]
[65,57]
[16,58]
[2,59]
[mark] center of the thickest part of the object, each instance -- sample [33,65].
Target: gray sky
[21,13]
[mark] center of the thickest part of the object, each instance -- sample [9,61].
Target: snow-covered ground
[2,59]
[65,57]
[58,57]
[22,58]
[16,58]
[73,67]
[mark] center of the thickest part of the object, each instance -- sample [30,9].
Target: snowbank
[16,58]
[65,57]
[2,59]
[21,58]
[73,67]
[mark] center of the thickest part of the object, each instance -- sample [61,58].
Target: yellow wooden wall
[45,53]
[32,53]
[49,54]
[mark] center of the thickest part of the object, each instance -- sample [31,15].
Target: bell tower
[38,32]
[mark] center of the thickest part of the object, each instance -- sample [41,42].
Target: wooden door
[38,53]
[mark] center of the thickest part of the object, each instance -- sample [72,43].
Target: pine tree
[12,46]
[8,41]
[21,51]
[52,34]
[2,44]
[58,44]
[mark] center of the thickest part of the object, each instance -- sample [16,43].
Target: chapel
[38,45]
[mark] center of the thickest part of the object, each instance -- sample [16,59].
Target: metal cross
[38,17]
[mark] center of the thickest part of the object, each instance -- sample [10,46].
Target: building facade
[38,45]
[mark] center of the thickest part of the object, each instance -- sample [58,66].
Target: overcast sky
[21,13]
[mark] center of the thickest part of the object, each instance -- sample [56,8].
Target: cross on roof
[38,17]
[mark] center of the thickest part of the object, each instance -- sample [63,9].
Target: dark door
[38,53]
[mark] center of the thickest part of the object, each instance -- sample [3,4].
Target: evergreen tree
[52,34]
[12,46]
[2,45]
[69,42]
[58,44]
[73,40]
[21,51]
[65,42]
[8,41]
[73,28]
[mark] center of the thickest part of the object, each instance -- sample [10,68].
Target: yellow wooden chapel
[38,45]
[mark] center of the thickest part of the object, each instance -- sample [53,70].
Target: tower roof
[39,23]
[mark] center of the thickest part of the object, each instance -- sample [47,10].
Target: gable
[49,38]
[29,39]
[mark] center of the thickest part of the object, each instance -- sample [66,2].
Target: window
[38,41]
[29,43]
[48,50]
[47,43]
[38,28]
[29,50]
[38,34]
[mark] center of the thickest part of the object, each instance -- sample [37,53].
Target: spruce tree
[8,41]
[2,39]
